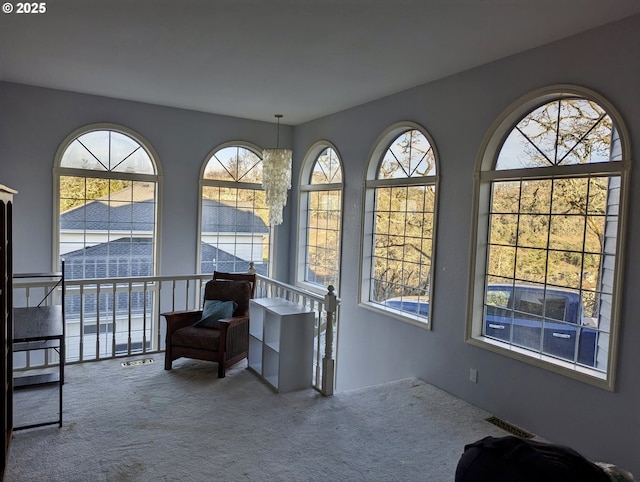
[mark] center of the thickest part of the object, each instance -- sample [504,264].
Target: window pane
[503,229]
[567,232]
[107,150]
[409,155]
[505,197]
[536,196]
[531,264]
[533,230]
[501,261]
[326,169]
[570,196]
[563,132]
[235,164]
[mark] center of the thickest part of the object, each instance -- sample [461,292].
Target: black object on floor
[512,459]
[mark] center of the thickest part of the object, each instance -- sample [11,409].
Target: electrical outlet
[473,375]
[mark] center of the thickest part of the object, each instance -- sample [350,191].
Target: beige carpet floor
[141,423]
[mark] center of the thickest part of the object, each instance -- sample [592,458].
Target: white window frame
[59,171]
[202,183]
[483,179]
[370,184]
[303,205]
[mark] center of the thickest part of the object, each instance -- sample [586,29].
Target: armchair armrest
[180,319]
[233,321]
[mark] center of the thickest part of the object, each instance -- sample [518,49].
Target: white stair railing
[326,309]
[120,317]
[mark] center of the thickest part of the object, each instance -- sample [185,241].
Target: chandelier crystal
[276,178]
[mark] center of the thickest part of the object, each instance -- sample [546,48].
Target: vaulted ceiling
[255,58]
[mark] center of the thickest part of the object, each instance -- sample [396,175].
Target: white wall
[458,111]
[373,349]
[35,121]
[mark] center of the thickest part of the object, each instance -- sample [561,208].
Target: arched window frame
[59,171]
[371,183]
[203,183]
[306,188]
[485,175]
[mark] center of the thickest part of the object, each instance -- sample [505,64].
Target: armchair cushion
[214,310]
[197,337]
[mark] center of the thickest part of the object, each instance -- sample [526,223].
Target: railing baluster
[144,318]
[173,295]
[98,321]
[113,319]
[159,308]
[81,354]
[186,296]
[129,303]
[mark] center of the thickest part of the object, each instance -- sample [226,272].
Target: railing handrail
[115,280]
[295,289]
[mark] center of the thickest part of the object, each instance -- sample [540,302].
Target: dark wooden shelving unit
[6,321]
[41,327]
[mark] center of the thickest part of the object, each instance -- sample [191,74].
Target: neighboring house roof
[122,257]
[220,217]
[118,248]
[102,215]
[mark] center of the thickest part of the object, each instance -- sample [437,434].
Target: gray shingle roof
[219,217]
[100,216]
[139,216]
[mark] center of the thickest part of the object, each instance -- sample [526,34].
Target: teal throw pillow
[214,310]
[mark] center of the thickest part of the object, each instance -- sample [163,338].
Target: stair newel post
[328,363]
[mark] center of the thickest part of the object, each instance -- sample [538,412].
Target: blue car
[550,321]
[410,304]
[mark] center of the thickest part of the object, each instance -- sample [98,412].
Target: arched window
[400,222]
[234,229]
[107,210]
[551,209]
[321,218]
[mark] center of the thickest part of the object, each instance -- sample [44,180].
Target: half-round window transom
[560,133]
[107,151]
[326,169]
[234,164]
[409,155]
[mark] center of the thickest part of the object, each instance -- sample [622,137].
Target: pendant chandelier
[276,178]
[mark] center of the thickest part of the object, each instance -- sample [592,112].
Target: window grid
[396,270]
[402,232]
[324,220]
[323,237]
[589,294]
[234,229]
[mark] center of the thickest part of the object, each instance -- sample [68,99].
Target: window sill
[577,372]
[415,320]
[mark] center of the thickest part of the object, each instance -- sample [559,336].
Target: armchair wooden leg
[221,370]
[167,361]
